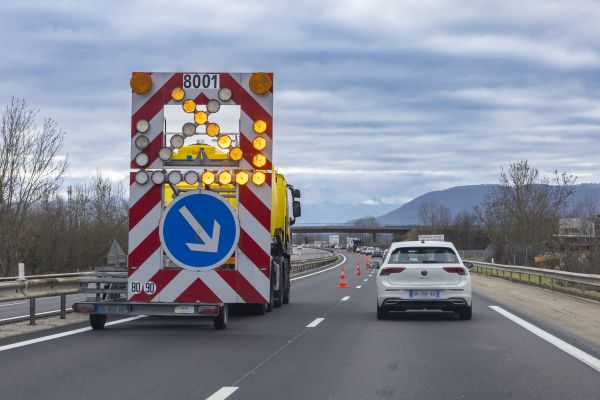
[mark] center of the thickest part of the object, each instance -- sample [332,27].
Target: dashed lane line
[223,393]
[345,298]
[316,322]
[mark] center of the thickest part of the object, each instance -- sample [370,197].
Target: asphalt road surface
[326,344]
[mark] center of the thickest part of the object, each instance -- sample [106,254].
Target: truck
[209,215]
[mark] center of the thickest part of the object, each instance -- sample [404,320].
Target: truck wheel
[97,321]
[286,292]
[220,321]
[259,309]
[271,302]
[278,301]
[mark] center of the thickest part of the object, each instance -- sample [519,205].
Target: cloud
[376,102]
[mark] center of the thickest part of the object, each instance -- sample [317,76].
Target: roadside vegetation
[49,227]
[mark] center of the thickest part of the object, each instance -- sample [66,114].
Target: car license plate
[424,294]
[184,309]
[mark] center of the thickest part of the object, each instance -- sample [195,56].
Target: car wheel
[465,313]
[381,313]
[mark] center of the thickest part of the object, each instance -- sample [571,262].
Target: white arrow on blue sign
[199,230]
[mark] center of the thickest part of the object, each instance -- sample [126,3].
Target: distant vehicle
[369,251]
[377,252]
[423,276]
[358,249]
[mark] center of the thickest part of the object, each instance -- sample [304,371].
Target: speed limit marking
[150,287]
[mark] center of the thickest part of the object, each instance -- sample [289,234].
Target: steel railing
[106,283]
[549,278]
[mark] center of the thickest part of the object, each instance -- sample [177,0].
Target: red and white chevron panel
[249,282]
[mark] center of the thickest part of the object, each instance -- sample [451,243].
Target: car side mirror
[296,193]
[296,209]
[468,264]
[374,265]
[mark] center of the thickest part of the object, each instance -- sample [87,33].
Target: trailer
[208,211]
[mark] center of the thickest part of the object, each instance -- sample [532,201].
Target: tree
[522,212]
[31,171]
[435,216]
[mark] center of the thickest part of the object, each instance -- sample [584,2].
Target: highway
[326,344]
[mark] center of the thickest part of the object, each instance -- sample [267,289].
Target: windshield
[423,255]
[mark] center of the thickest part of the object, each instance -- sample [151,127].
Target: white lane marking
[365,280]
[320,272]
[223,393]
[359,286]
[315,323]
[63,334]
[561,344]
[345,298]
[36,314]
[12,304]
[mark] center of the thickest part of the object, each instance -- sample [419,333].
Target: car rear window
[423,255]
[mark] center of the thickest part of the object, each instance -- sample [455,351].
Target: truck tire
[271,302]
[220,321]
[97,321]
[278,301]
[286,292]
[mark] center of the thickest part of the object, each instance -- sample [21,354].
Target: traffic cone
[342,284]
[357,270]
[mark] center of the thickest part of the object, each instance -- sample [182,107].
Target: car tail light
[456,270]
[391,270]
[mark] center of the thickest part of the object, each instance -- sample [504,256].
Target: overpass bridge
[342,228]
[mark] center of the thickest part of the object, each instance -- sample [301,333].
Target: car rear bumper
[451,304]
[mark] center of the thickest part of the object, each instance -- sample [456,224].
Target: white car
[423,276]
[369,251]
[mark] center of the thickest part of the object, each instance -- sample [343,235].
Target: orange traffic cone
[342,284]
[357,270]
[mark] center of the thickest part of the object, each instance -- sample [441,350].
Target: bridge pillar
[374,237]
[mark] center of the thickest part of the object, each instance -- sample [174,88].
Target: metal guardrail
[507,271]
[106,283]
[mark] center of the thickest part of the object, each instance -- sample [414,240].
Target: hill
[464,198]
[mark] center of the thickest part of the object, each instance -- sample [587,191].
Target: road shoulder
[573,315]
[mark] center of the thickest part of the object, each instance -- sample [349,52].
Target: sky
[376,102]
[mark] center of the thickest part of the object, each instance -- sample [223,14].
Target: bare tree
[522,213]
[31,170]
[434,216]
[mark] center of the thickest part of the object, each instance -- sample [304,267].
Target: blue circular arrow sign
[199,231]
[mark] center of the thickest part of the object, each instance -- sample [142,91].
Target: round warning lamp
[212,129]
[140,82]
[259,143]
[141,177]
[200,117]
[260,126]
[260,82]
[258,178]
[189,106]
[177,94]
[259,160]
[225,178]
[242,177]
[224,141]
[208,178]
